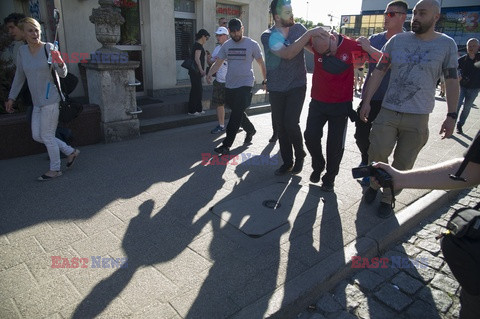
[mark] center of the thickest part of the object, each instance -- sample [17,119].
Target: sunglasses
[391,14]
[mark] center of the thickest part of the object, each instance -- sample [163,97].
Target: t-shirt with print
[240,56]
[282,74]
[222,71]
[336,88]
[416,66]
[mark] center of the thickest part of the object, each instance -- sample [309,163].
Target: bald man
[417,59]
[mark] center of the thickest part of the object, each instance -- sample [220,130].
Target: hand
[364,42]
[9,106]
[202,73]
[390,170]
[56,57]
[209,79]
[447,127]
[364,111]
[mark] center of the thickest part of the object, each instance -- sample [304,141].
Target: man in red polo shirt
[332,97]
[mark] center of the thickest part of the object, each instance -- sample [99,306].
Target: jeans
[44,124]
[336,114]
[238,100]
[196,93]
[469,95]
[286,110]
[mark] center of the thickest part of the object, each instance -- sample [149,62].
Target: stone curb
[305,289]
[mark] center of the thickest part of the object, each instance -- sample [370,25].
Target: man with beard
[240,52]
[287,80]
[417,59]
[395,15]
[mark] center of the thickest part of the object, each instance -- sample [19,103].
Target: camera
[383,178]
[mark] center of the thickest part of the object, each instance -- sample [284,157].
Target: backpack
[461,248]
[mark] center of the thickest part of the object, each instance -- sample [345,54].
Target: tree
[308,24]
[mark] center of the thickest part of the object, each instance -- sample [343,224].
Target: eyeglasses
[391,14]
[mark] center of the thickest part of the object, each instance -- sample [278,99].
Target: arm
[372,85]
[374,53]
[435,176]
[197,61]
[58,64]
[214,68]
[17,84]
[452,92]
[291,51]
[261,63]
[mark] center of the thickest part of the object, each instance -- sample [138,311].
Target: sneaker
[273,139]
[202,112]
[459,129]
[218,129]
[248,138]
[326,187]
[194,113]
[370,195]
[297,168]
[223,150]
[385,210]
[284,169]
[315,176]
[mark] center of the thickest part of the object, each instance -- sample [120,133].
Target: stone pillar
[111,77]
[110,86]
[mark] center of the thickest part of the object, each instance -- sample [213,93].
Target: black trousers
[196,92]
[362,129]
[238,100]
[286,110]
[336,114]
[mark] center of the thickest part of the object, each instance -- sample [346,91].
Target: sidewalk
[200,240]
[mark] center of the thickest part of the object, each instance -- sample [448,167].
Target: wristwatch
[453,115]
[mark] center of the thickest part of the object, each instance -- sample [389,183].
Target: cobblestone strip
[417,283]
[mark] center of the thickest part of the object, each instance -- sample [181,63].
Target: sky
[318,10]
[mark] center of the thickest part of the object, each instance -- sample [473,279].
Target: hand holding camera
[383,178]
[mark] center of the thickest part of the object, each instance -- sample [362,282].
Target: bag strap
[54,75]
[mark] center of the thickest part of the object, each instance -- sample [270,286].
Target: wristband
[453,115]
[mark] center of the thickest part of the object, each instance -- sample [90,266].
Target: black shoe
[315,176]
[223,150]
[385,210]
[326,187]
[248,138]
[459,129]
[273,139]
[297,168]
[284,169]
[370,195]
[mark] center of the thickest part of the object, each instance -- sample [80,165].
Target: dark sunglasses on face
[391,14]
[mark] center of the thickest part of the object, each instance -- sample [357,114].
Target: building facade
[159,34]
[460,19]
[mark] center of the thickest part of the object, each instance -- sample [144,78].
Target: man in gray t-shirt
[416,59]
[240,52]
[287,81]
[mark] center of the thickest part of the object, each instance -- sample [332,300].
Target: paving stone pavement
[422,288]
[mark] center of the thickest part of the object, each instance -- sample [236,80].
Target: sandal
[72,161]
[47,177]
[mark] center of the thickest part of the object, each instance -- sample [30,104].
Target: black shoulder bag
[68,110]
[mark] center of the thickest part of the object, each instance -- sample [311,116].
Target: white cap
[222,30]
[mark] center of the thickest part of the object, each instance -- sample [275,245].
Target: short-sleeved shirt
[198,46]
[416,67]
[240,56]
[282,74]
[336,88]
[470,73]
[222,71]
[378,41]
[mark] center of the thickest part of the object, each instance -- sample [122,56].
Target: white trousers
[44,125]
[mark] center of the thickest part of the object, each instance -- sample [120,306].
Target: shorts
[218,94]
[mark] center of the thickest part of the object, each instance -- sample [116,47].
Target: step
[178,120]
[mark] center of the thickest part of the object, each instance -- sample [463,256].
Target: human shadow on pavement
[156,236]
[245,269]
[316,235]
